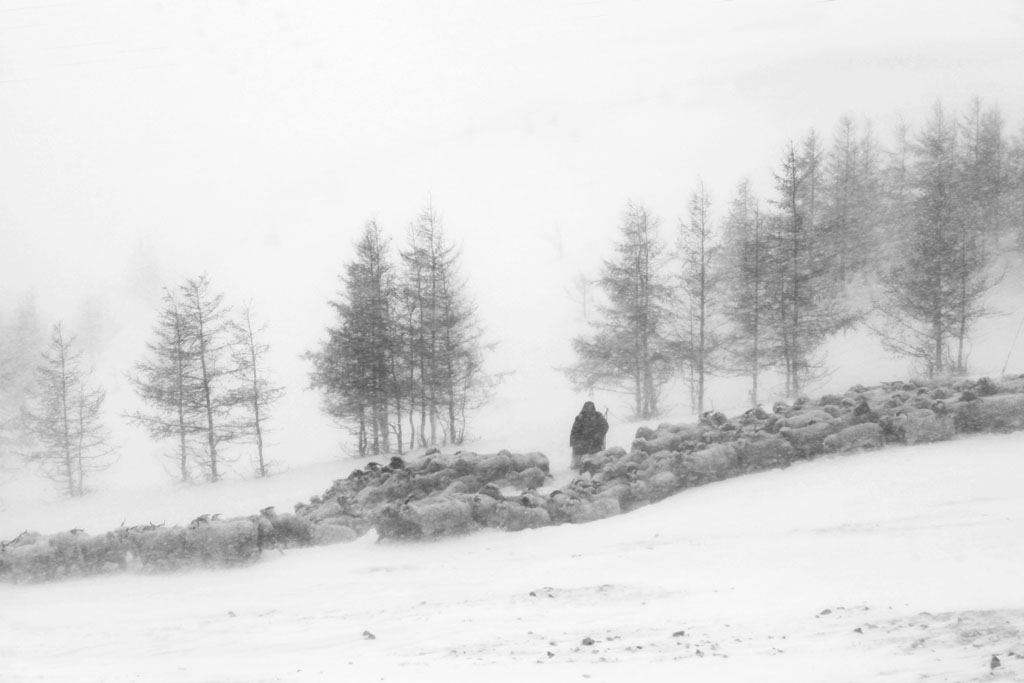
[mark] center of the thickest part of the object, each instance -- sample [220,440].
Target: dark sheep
[287,530]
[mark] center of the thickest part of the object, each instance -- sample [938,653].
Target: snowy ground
[900,565]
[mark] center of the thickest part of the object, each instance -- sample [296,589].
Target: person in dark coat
[588,432]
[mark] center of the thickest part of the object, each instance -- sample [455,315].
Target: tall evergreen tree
[628,350]
[445,339]
[806,309]
[355,368]
[406,346]
[936,294]
[982,173]
[67,418]
[849,200]
[749,297]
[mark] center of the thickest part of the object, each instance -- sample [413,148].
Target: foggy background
[145,142]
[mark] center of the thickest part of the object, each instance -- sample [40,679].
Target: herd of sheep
[444,494]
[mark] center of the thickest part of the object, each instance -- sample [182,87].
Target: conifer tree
[212,334]
[406,349]
[355,367]
[751,345]
[259,393]
[698,289]
[190,383]
[165,382]
[937,293]
[444,338]
[806,308]
[67,418]
[628,349]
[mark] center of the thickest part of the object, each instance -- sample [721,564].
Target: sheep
[483,508]
[223,541]
[157,547]
[805,418]
[530,478]
[469,483]
[922,425]
[492,467]
[669,440]
[328,533]
[287,529]
[581,511]
[866,435]
[594,462]
[440,515]
[1000,413]
[513,516]
[104,552]
[34,560]
[763,452]
[709,464]
[67,550]
[808,441]
[390,522]
[525,461]
[662,484]
[327,509]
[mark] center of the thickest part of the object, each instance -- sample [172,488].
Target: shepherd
[588,432]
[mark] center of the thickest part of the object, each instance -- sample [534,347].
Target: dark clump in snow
[440,494]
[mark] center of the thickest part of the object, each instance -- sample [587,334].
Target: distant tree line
[402,364]
[905,240]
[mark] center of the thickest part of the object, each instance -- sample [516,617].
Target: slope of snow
[897,565]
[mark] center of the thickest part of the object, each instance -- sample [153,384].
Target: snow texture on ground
[899,565]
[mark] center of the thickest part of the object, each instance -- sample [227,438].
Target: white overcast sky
[142,142]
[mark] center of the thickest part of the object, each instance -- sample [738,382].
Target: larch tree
[628,350]
[747,291]
[67,418]
[698,290]
[355,367]
[404,358]
[190,384]
[444,335]
[936,294]
[983,175]
[807,306]
[1015,187]
[216,395]
[259,393]
[166,383]
[849,197]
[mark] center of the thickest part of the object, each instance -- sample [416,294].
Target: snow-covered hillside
[900,565]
